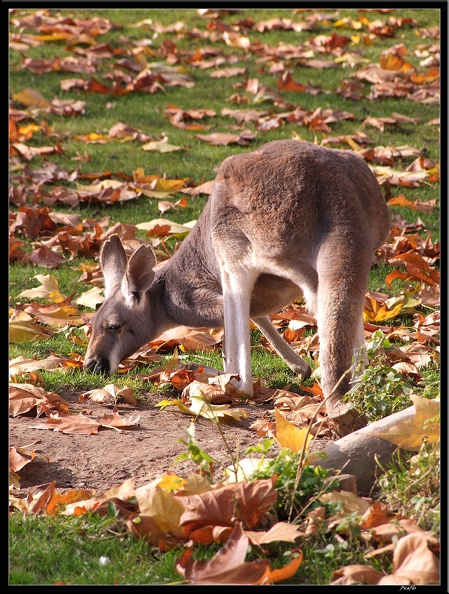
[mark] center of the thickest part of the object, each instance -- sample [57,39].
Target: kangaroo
[288,220]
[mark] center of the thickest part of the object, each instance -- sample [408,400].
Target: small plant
[312,483]
[379,390]
[205,463]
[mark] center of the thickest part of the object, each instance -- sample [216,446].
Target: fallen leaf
[49,289]
[117,394]
[250,500]
[24,331]
[228,566]
[413,562]
[175,229]
[289,436]
[410,433]
[21,456]
[83,425]
[24,397]
[378,311]
[219,138]
[162,506]
[31,98]
[160,146]
[281,531]
[91,298]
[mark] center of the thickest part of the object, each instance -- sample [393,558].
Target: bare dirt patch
[143,453]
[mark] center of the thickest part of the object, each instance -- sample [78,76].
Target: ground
[143,453]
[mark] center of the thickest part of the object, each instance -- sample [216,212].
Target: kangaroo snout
[97,365]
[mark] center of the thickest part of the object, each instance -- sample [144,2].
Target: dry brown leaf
[249,500]
[24,397]
[70,423]
[228,566]
[413,563]
[356,574]
[281,531]
[111,391]
[83,425]
[315,519]
[218,138]
[21,456]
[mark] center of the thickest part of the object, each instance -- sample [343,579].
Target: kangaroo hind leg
[341,296]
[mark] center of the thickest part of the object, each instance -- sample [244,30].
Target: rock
[355,453]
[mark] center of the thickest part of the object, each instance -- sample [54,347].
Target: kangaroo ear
[139,275]
[113,263]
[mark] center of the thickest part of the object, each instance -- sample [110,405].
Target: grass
[45,550]
[82,551]
[411,484]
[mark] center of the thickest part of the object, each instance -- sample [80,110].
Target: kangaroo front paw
[303,370]
[300,367]
[246,388]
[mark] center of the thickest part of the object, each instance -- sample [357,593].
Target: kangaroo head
[121,325]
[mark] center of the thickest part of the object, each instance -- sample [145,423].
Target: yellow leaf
[54,36]
[170,185]
[200,407]
[49,289]
[25,331]
[162,147]
[103,185]
[175,229]
[93,137]
[182,407]
[425,424]
[29,130]
[172,482]
[31,98]
[57,315]
[288,435]
[160,505]
[411,300]
[352,143]
[378,312]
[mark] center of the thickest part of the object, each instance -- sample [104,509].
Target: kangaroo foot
[343,419]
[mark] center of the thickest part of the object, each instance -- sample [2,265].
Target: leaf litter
[171,510]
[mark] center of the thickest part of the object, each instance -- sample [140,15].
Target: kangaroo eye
[114,326]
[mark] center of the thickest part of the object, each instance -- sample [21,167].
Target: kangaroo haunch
[288,220]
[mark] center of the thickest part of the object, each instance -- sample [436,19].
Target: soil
[144,452]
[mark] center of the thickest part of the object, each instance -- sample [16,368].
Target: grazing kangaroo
[288,220]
